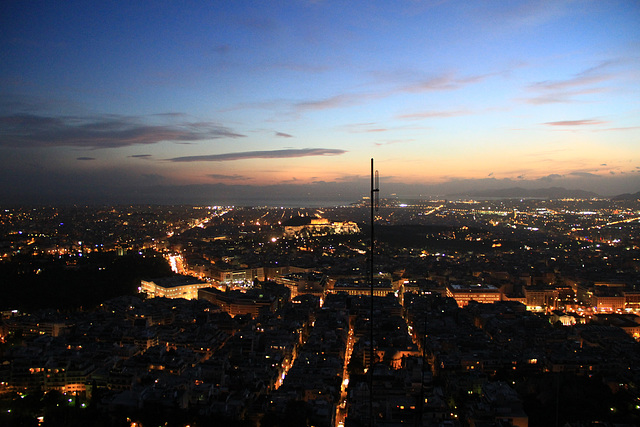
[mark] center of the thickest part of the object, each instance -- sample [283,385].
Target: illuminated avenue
[503,312]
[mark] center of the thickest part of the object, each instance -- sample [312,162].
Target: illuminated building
[237,276]
[567,319]
[173,287]
[485,294]
[608,302]
[381,288]
[632,299]
[316,226]
[64,376]
[304,283]
[236,302]
[539,297]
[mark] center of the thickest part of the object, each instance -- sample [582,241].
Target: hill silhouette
[538,193]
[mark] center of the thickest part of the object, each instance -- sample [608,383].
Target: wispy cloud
[343,179]
[622,129]
[85,158]
[337,101]
[284,135]
[584,122]
[171,114]
[273,154]
[302,67]
[584,174]
[363,127]
[108,131]
[223,177]
[585,82]
[394,141]
[442,82]
[433,114]
[141,156]
[566,96]
[531,14]
[585,78]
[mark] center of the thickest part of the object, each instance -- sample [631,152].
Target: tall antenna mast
[375,205]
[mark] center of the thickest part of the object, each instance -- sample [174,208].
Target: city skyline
[244,102]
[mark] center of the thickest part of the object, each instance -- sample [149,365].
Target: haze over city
[261,102]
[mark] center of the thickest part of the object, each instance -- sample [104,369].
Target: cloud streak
[441,82]
[284,135]
[223,177]
[585,122]
[566,96]
[273,154]
[584,174]
[444,82]
[582,79]
[337,101]
[432,114]
[109,131]
[565,90]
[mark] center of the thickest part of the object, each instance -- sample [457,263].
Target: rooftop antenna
[375,205]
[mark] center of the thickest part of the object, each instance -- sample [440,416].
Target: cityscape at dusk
[320,213]
[283,103]
[494,313]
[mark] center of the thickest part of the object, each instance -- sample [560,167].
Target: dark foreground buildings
[473,325]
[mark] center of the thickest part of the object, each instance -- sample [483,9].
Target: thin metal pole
[374,191]
[371,315]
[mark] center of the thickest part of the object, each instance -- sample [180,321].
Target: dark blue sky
[247,100]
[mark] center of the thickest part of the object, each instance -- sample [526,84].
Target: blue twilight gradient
[288,101]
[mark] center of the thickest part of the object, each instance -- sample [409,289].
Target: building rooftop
[473,288]
[175,281]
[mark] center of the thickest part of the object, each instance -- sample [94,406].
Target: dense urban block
[484,313]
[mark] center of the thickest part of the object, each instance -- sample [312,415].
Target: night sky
[232,102]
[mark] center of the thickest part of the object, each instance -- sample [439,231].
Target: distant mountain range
[537,193]
[627,196]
